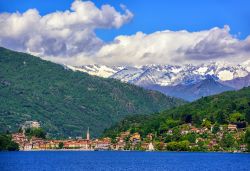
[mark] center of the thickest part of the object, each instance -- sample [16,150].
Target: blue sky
[156,15]
[78,32]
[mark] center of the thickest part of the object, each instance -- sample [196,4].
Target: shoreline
[79,150]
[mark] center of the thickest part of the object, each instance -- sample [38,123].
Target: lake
[110,160]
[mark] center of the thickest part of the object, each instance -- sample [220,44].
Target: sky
[128,32]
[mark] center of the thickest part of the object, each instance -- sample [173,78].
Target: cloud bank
[69,37]
[177,47]
[60,34]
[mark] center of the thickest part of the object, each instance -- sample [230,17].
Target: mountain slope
[219,108]
[178,81]
[239,82]
[193,92]
[64,101]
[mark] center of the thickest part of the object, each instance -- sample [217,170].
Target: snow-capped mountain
[152,76]
[238,83]
[194,91]
[97,70]
[166,75]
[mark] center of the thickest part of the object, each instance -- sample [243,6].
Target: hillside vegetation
[67,102]
[229,107]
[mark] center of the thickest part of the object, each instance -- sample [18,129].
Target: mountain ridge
[195,91]
[66,102]
[173,77]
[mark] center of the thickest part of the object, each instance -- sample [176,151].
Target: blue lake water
[108,160]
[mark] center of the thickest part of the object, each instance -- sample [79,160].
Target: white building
[151,147]
[30,124]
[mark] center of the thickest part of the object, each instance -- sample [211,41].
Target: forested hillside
[67,102]
[229,107]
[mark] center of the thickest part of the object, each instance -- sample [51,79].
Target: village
[206,139]
[35,143]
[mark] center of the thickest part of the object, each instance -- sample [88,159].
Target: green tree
[159,146]
[169,123]
[172,146]
[197,119]
[13,146]
[228,141]
[6,144]
[206,123]
[235,117]
[183,145]
[202,146]
[178,146]
[167,138]
[247,138]
[37,132]
[191,137]
[60,146]
[176,134]
[222,117]
[248,115]
[216,128]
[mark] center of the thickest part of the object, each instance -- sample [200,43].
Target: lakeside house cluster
[33,143]
[134,141]
[204,137]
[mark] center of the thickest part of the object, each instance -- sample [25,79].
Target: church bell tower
[88,135]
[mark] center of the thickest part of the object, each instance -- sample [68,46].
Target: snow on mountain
[127,74]
[193,92]
[189,82]
[246,64]
[168,75]
[97,70]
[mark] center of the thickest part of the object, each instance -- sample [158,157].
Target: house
[36,145]
[19,137]
[195,130]
[243,147]
[199,140]
[170,132]
[150,136]
[84,144]
[120,145]
[42,145]
[212,143]
[30,124]
[232,127]
[184,132]
[104,144]
[148,146]
[135,138]
[27,146]
[36,142]
[35,124]
[71,144]
[144,146]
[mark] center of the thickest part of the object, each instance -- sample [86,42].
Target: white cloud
[60,34]
[69,37]
[175,47]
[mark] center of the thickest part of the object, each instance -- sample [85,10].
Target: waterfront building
[120,145]
[27,146]
[151,147]
[88,135]
[135,137]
